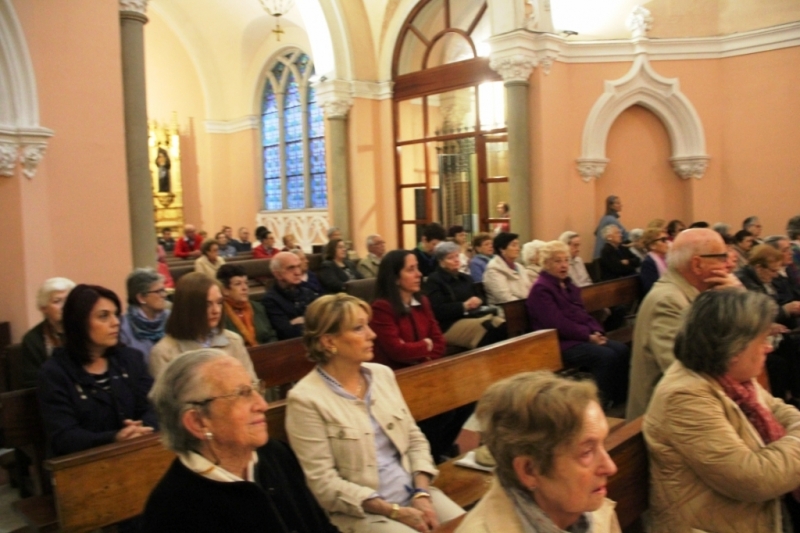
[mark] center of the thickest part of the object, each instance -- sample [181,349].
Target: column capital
[135,6]
[515,54]
[335,97]
[590,168]
[690,166]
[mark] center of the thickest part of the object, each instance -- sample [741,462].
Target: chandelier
[277,8]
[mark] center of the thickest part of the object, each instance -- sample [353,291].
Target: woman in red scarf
[724,453]
[240,314]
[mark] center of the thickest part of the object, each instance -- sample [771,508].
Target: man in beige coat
[696,263]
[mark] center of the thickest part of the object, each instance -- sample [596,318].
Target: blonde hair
[651,235]
[763,255]
[532,414]
[549,249]
[329,315]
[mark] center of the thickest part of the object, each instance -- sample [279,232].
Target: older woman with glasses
[364,457]
[228,476]
[546,436]
[143,325]
[724,452]
[337,269]
[654,265]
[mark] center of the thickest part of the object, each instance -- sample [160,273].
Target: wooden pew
[22,429]
[622,291]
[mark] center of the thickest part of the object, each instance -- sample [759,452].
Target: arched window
[293,137]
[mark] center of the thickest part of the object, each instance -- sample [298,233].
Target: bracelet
[395,511]
[421,493]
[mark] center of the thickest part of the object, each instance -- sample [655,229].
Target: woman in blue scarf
[143,325]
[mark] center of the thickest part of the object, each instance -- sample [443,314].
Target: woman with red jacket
[408,334]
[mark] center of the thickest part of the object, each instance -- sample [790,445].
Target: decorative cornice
[135,6]
[639,22]
[248,122]
[334,97]
[591,168]
[26,145]
[689,167]
[751,42]
[515,54]
[372,90]
[8,157]
[30,156]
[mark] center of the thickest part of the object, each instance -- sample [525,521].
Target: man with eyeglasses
[376,246]
[286,301]
[696,263]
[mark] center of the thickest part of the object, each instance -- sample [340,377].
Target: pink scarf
[661,263]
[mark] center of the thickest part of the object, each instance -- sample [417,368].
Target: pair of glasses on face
[244,392]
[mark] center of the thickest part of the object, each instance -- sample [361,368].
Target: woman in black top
[337,270]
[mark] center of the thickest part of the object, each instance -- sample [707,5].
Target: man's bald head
[188,230]
[285,267]
[697,254]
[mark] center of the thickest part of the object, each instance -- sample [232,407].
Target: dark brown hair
[189,317]
[77,309]
[330,249]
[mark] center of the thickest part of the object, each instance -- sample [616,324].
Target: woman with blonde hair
[546,436]
[364,456]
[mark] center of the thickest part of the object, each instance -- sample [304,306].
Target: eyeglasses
[160,292]
[721,257]
[242,393]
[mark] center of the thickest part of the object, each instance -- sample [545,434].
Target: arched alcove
[21,137]
[662,96]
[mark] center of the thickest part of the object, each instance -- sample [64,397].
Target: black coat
[333,277]
[278,502]
[447,294]
[78,414]
[611,266]
[283,306]
[747,275]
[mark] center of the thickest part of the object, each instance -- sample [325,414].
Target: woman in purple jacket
[555,303]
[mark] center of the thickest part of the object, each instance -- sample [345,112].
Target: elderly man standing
[189,246]
[696,263]
[286,301]
[376,246]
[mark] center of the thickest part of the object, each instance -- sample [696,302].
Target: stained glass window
[293,137]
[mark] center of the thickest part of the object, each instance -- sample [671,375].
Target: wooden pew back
[22,428]
[622,291]
[280,363]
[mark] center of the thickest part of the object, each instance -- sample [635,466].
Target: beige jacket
[657,323]
[204,266]
[503,284]
[495,513]
[709,468]
[369,266]
[334,441]
[170,348]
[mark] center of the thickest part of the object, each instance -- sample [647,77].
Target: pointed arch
[643,86]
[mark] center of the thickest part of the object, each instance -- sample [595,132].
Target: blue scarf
[143,327]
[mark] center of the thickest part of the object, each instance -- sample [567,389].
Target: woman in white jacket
[506,280]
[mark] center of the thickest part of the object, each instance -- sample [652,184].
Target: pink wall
[72,218]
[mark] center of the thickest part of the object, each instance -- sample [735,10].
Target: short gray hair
[551,248]
[181,383]
[332,230]
[139,282]
[298,252]
[568,236]
[719,326]
[49,287]
[722,228]
[607,229]
[371,239]
[530,250]
[445,248]
[635,234]
[773,240]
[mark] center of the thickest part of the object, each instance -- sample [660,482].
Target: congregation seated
[143,325]
[286,301]
[611,218]
[337,269]
[408,334]
[163,268]
[364,457]
[505,279]
[752,225]
[654,265]
[787,283]
[482,251]
[166,241]
[546,436]
[463,318]
[432,235]
[229,475]
[742,244]
[674,227]
[188,246]
[196,322]
[376,249]
[93,390]
[637,246]
[226,249]
[308,279]
[265,249]
[40,341]
[555,303]
[577,269]
[723,229]
[208,263]
[723,451]
[616,259]
[458,235]
[242,243]
[530,259]
[697,262]
[289,243]
[334,233]
[240,314]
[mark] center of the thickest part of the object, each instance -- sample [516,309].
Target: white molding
[335,97]
[247,122]
[136,6]
[750,42]
[643,86]
[309,226]
[20,132]
[515,54]
[373,90]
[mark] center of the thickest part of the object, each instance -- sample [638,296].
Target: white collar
[202,466]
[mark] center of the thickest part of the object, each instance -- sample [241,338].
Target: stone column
[140,194]
[335,98]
